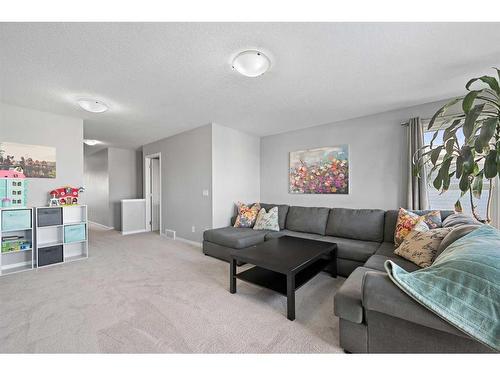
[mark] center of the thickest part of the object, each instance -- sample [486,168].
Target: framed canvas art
[322,170]
[35,161]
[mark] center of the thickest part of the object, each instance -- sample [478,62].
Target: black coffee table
[284,264]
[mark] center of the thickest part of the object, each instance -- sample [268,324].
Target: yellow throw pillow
[246,215]
[420,246]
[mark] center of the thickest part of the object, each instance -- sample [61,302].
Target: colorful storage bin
[74,233]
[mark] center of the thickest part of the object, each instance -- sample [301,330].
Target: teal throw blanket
[462,286]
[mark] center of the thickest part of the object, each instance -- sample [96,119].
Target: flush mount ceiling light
[91,142]
[251,63]
[92,105]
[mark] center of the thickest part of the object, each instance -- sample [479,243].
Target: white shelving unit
[16,225]
[61,234]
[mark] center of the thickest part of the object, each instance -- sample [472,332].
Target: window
[446,201]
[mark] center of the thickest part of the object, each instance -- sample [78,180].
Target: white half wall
[377,155]
[28,126]
[235,172]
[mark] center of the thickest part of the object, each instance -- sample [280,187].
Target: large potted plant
[473,158]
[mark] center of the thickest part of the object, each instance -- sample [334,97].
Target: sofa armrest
[380,294]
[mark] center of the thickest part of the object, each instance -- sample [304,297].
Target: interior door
[155,194]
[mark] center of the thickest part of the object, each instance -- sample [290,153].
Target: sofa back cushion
[282,212]
[391,217]
[307,219]
[358,224]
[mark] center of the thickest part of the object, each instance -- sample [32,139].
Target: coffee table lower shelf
[276,281]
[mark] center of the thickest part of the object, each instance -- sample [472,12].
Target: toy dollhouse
[13,188]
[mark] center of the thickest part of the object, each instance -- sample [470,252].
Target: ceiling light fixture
[251,63]
[92,105]
[91,142]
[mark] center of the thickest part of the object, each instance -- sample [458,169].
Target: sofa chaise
[374,314]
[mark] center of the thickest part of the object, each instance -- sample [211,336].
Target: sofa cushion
[282,212]
[376,262]
[358,224]
[307,219]
[456,234]
[272,235]
[391,217]
[386,249]
[236,238]
[459,219]
[347,301]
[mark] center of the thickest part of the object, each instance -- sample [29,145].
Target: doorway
[152,192]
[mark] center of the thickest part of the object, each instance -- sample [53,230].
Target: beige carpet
[146,294]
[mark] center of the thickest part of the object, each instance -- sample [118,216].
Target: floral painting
[35,161]
[320,171]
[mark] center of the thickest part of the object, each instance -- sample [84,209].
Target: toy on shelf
[65,196]
[13,188]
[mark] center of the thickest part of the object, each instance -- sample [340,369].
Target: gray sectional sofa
[374,315]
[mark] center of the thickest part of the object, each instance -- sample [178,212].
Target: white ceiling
[163,78]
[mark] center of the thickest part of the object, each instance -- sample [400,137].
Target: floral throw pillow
[246,215]
[267,220]
[407,221]
[421,246]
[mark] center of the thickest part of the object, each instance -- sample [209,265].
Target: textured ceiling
[163,78]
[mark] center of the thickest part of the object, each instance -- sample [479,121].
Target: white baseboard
[15,265]
[134,232]
[101,225]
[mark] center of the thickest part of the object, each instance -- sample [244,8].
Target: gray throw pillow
[454,235]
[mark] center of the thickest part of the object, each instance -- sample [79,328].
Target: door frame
[147,189]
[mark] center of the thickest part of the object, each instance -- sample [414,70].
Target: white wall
[377,153]
[235,172]
[111,174]
[23,125]
[186,170]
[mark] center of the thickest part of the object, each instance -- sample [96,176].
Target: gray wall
[186,167]
[23,125]
[111,174]
[125,180]
[377,153]
[236,171]
[97,187]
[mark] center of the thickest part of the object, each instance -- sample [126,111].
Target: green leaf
[459,165]
[435,154]
[458,206]
[451,130]
[490,164]
[490,81]
[441,111]
[477,185]
[464,183]
[438,182]
[470,120]
[468,160]
[487,131]
[469,100]
[449,146]
[445,176]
